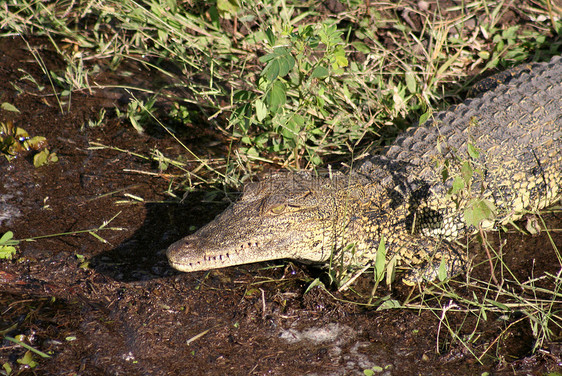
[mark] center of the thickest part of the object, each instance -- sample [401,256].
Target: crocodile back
[511,139]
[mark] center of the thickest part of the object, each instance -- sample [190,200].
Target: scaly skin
[514,133]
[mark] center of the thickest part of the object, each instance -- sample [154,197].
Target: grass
[511,302]
[290,86]
[293,87]
[475,302]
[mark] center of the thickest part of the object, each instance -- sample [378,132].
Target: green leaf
[380,260]
[277,96]
[458,185]
[316,282]
[162,36]
[389,304]
[227,8]
[391,270]
[9,107]
[7,252]
[271,71]
[483,313]
[261,109]
[478,211]
[444,174]
[411,82]
[172,4]
[40,158]
[292,127]
[501,306]
[27,360]
[286,63]
[442,272]
[315,160]
[320,72]
[485,55]
[7,368]
[44,157]
[268,57]
[341,61]
[279,63]
[473,151]
[466,172]
[136,124]
[21,133]
[7,246]
[270,37]
[6,237]
[252,152]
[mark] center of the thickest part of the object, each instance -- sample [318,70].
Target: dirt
[117,308]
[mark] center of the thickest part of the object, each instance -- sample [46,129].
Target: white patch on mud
[8,211]
[318,335]
[343,348]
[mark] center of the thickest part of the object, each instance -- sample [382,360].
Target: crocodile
[498,154]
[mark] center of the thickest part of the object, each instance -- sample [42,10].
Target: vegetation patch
[15,141]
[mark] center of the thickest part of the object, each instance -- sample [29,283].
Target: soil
[117,308]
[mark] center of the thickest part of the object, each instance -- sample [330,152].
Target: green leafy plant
[138,113]
[15,140]
[8,246]
[44,157]
[288,115]
[464,172]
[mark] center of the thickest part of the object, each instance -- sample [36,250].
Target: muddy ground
[119,309]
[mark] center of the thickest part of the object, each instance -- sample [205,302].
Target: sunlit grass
[208,59]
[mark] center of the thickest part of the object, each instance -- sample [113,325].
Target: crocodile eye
[278,209]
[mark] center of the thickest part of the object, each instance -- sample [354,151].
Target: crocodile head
[288,215]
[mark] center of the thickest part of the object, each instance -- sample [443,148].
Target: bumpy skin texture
[514,133]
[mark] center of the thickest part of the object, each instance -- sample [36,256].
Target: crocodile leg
[427,258]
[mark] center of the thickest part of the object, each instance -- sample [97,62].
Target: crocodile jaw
[193,253]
